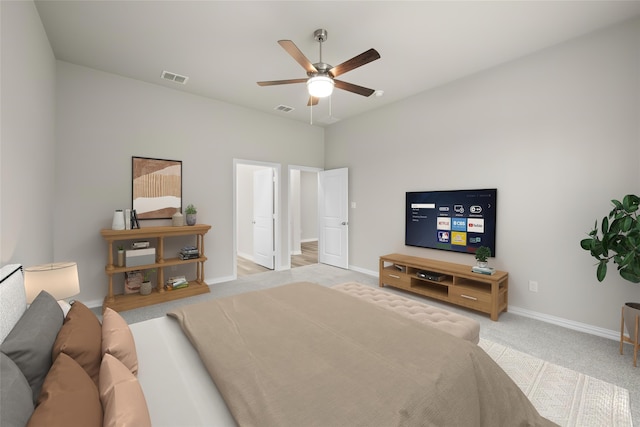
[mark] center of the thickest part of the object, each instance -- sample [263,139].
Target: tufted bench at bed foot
[452,323]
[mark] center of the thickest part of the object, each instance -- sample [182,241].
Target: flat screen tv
[458,220]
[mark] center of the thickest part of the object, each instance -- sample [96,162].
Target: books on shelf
[189,252]
[483,270]
[176,282]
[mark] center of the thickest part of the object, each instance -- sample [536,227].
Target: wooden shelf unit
[457,285]
[130,301]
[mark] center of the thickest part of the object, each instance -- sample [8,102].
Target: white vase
[118,220]
[177,220]
[191,219]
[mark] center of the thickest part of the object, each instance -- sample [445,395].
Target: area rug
[562,395]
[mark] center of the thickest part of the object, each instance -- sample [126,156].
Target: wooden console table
[453,283]
[130,301]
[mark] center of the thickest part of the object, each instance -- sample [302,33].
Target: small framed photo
[156,187]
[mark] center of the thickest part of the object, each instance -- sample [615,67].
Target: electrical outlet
[533,286]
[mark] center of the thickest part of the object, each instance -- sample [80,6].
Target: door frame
[277,244]
[287,265]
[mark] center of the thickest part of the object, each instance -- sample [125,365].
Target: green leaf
[627,223]
[630,203]
[602,270]
[630,275]
[617,204]
[605,224]
[586,244]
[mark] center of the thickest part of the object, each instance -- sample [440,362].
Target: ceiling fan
[322,76]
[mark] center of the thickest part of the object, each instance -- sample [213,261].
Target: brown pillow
[81,338]
[121,395]
[117,340]
[68,397]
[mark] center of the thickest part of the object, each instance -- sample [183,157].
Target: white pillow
[13,298]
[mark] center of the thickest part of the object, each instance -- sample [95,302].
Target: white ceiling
[225,47]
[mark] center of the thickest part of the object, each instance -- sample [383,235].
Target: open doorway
[303,215]
[256,242]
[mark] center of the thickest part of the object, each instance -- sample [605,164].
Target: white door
[333,217]
[263,252]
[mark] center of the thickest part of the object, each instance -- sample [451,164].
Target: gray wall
[28,140]
[104,119]
[557,132]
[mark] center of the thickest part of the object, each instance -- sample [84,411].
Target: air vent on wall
[284,108]
[174,77]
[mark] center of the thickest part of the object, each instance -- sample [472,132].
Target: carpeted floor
[591,355]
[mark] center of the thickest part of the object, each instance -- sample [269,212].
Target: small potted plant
[482,253]
[145,287]
[191,212]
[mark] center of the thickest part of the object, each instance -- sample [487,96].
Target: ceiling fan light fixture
[320,86]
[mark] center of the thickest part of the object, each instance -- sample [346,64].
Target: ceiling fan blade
[293,50]
[354,88]
[312,101]
[355,62]
[281,82]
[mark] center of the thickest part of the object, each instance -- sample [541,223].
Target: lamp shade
[60,279]
[320,86]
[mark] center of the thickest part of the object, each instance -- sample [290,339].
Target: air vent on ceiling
[174,77]
[284,108]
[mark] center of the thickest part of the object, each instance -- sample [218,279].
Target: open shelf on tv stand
[445,281]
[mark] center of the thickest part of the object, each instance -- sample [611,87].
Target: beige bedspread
[305,355]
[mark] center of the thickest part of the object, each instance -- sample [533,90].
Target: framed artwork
[156,187]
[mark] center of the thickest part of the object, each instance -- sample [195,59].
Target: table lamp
[60,279]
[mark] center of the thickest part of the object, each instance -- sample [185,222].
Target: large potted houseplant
[618,240]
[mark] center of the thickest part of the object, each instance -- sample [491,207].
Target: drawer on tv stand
[394,277]
[470,297]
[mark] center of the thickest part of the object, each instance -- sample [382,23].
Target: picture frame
[156,187]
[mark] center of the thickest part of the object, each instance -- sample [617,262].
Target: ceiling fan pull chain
[311,114]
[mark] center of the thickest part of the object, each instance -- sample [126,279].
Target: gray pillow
[30,342]
[15,395]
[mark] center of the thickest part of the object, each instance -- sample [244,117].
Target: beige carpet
[561,395]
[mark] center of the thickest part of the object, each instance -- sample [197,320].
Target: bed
[297,354]
[303,354]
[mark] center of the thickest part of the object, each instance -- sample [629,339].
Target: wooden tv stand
[453,283]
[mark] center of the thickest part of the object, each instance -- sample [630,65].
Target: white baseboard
[220,279]
[364,271]
[566,323]
[554,320]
